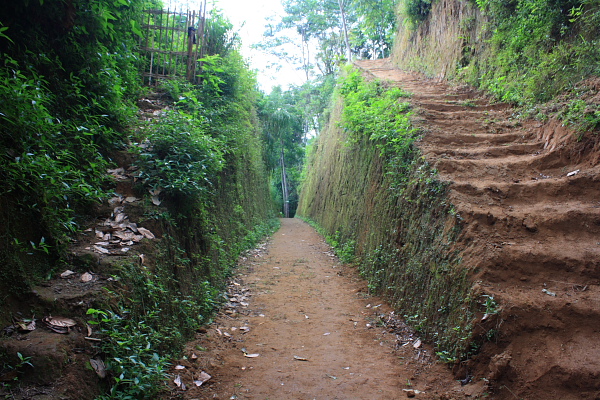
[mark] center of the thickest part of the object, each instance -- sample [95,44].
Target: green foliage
[417,11]
[8,369]
[283,132]
[374,110]
[182,159]
[538,49]
[370,25]
[68,76]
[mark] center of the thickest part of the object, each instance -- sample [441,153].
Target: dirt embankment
[528,196]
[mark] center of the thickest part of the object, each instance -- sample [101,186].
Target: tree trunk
[284,186]
[345,28]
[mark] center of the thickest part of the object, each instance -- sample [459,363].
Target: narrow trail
[315,330]
[528,196]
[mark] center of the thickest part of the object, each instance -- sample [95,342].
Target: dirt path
[528,195]
[317,333]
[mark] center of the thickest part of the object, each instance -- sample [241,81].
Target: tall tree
[327,32]
[283,137]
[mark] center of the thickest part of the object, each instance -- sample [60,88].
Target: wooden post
[190,53]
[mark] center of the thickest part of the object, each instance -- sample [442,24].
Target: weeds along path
[528,195]
[299,325]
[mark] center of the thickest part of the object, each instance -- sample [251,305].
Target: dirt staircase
[530,205]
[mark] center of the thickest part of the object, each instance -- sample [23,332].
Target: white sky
[249,18]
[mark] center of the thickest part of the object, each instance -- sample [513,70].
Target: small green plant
[133,361]
[490,304]
[446,356]
[12,372]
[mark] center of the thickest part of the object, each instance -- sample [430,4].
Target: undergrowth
[536,51]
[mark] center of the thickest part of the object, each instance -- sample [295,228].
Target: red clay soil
[299,325]
[529,196]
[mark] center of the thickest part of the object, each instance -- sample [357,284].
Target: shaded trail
[317,333]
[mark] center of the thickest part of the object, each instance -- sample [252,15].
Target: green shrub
[417,11]
[181,158]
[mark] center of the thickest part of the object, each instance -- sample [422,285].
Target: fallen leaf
[100,249]
[60,321]
[124,235]
[87,277]
[67,274]
[120,217]
[116,171]
[417,344]
[26,325]
[177,381]
[180,367]
[131,199]
[156,201]
[146,233]
[115,200]
[89,330]
[202,378]
[99,367]
[254,355]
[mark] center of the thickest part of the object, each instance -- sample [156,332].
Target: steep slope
[527,196]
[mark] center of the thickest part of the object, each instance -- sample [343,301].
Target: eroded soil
[528,195]
[312,331]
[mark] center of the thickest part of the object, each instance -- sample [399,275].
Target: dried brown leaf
[99,367]
[100,249]
[87,277]
[67,274]
[146,233]
[60,321]
[202,378]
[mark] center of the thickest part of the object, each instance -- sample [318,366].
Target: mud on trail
[299,325]
[528,195]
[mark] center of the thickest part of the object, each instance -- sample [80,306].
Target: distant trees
[283,133]
[329,32]
[317,36]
